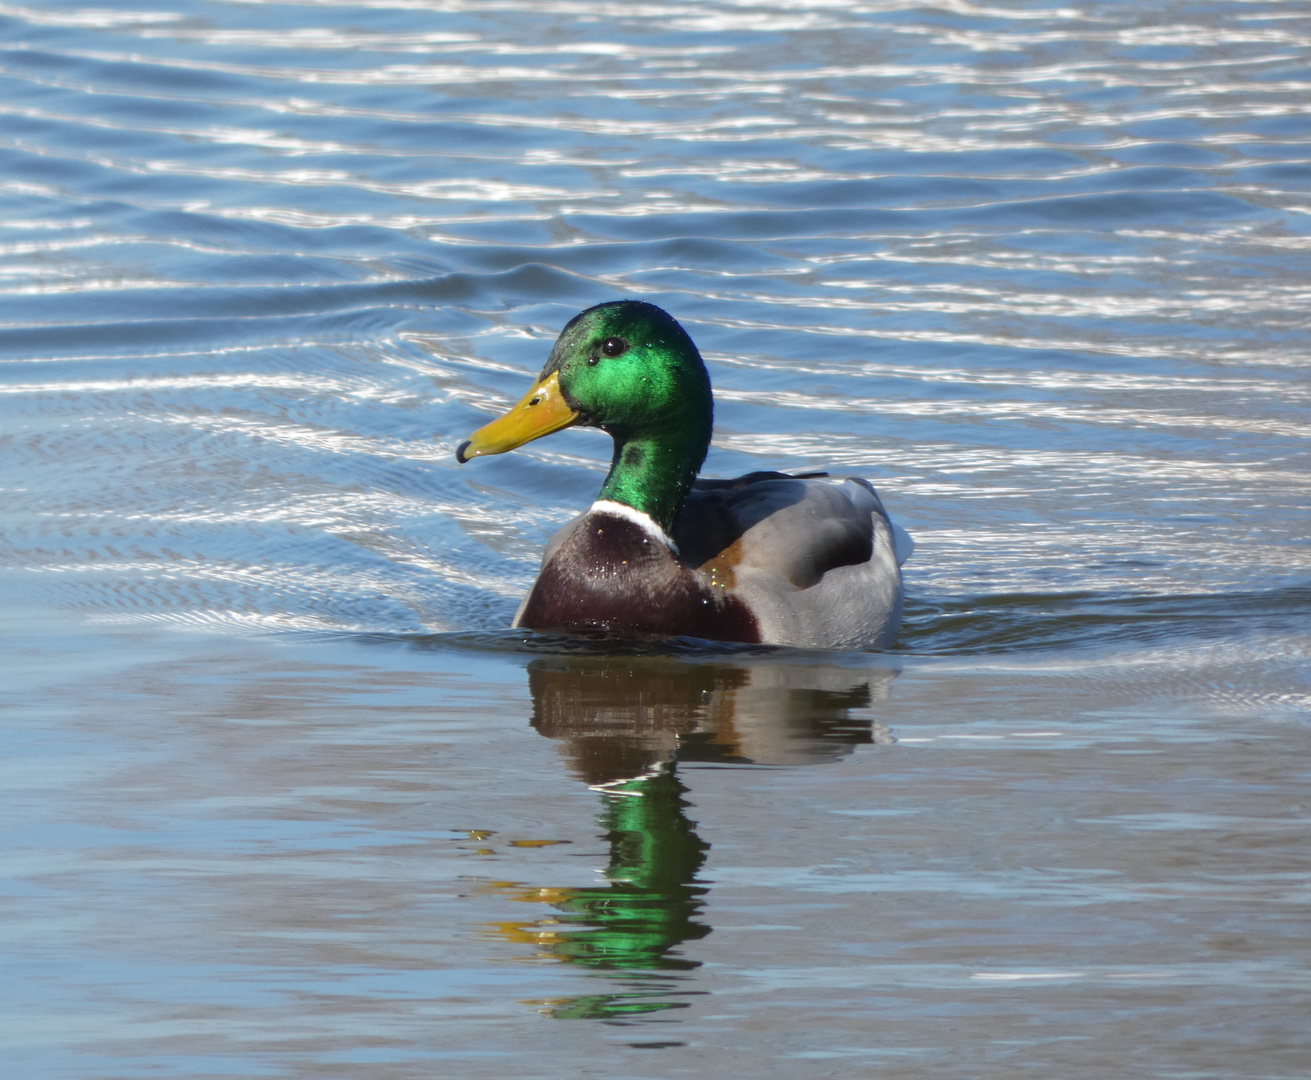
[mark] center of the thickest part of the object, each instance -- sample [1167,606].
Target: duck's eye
[613,346]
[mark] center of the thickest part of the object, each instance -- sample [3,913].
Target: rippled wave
[281,791]
[1038,273]
[1077,621]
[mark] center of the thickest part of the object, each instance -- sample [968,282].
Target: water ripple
[1036,272]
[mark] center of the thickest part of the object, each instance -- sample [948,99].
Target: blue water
[283,797]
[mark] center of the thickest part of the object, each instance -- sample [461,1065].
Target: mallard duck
[806,561]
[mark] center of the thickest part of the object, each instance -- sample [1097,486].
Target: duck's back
[815,560]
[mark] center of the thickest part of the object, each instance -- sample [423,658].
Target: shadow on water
[623,724]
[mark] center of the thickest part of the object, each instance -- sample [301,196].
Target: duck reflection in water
[624,722]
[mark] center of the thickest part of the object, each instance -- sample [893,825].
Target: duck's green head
[628,368]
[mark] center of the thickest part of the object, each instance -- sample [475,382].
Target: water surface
[284,797]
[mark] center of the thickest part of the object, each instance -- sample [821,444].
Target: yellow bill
[542,411]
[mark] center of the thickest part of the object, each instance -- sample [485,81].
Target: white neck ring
[643,521]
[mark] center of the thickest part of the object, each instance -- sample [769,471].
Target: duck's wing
[814,559]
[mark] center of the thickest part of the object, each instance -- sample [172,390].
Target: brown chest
[609,574]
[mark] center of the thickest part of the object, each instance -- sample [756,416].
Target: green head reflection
[647,907]
[623,723]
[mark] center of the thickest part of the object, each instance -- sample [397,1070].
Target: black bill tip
[459,451]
